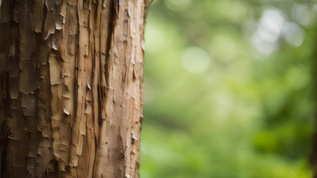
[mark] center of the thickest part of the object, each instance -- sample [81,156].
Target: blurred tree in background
[228,89]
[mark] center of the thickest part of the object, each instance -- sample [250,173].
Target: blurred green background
[228,89]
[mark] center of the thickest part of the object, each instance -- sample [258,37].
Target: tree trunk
[71,88]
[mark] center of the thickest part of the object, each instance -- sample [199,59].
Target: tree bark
[71,88]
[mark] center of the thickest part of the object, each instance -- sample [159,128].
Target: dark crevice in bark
[4,131]
[113,15]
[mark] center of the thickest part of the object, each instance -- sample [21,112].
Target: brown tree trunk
[70,88]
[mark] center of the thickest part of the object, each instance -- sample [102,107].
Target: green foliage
[222,101]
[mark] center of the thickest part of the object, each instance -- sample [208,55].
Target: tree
[71,88]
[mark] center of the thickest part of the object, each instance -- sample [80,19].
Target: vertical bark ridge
[44,161]
[71,88]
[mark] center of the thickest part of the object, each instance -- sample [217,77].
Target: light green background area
[228,89]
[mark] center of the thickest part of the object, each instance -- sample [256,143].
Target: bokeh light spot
[196,60]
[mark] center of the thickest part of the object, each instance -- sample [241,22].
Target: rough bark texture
[70,88]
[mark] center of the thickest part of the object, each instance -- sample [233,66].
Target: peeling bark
[71,88]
